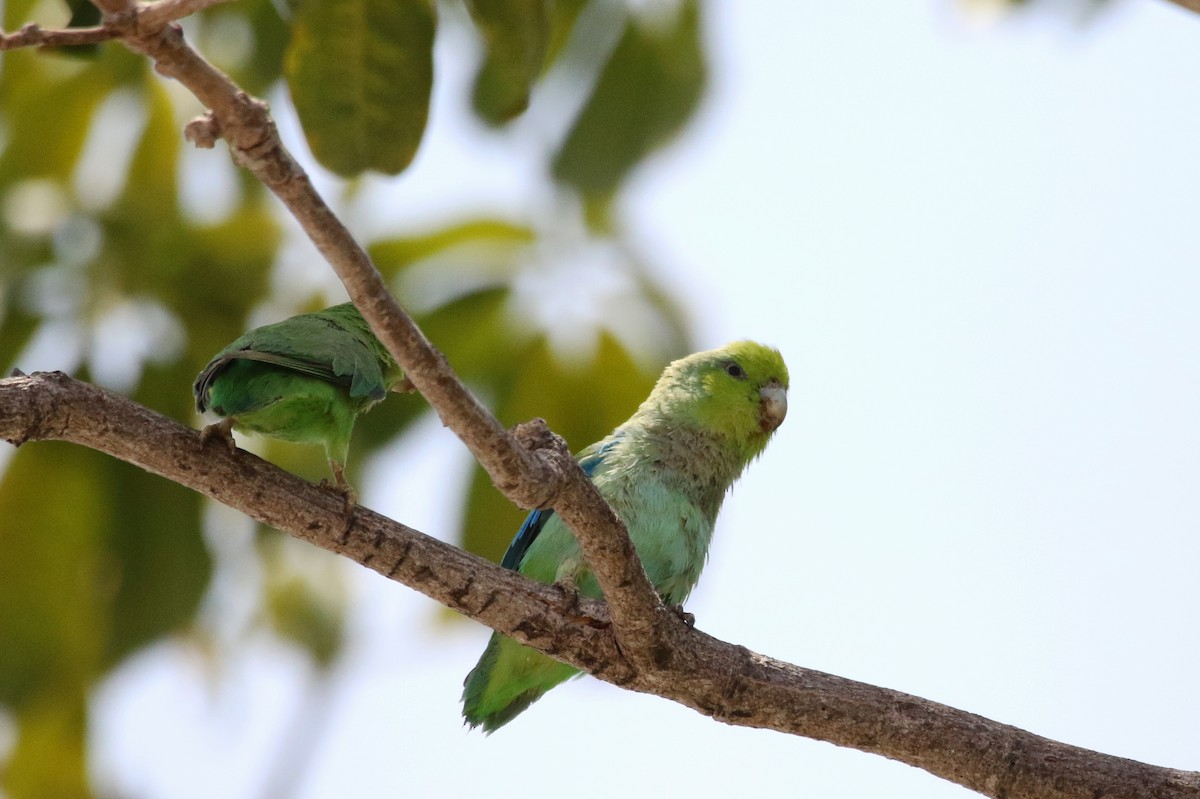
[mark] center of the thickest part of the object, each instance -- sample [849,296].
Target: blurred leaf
[151,197]
[84,14]
[305,598]
[311,621]
[115,561]
[562,21]
[49,761]
[360,73]
[211,276]
[16,328]
[262,66]
[46,138]
[377,429]
[156,538]
[54,578]
[16,13]
[516,34]
[227,266]
[647,91]
[477,334]
[393,256]
[582,402]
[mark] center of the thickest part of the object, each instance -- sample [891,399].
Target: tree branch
[531,467]
[144,16]
[645,648]
[1190,5]
[719,679]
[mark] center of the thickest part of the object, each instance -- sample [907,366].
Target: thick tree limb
[719,679]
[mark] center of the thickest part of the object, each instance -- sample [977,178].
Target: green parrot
[665,472]
[304,379]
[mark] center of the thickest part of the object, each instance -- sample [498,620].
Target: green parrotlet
[305,379]
[665,472]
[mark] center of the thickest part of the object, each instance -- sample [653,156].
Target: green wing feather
[334,345]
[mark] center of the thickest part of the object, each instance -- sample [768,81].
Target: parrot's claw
[687,618]
[349,495]
[222,430]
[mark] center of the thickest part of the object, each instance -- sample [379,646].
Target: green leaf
[45,138]
[516,34]
[393,256]
[156,535]
[49,761]
[360,73]
[84,14]
[646,92]
[477,333]
[113,561]
[16,328]
[562,22]
[151,195]
[54,577]
[258,72]
[302,615]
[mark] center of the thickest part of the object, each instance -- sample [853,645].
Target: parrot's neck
[699,463]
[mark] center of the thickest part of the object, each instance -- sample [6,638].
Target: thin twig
[34,35]
[142,16]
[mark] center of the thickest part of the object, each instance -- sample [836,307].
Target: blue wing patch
[536,520]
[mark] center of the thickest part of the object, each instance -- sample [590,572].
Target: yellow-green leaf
[646,92]
[393,256]
[55,579]
[516,34]
[49,761]
[360,73]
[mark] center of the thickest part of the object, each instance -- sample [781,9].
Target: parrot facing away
[305,379]
[665,472]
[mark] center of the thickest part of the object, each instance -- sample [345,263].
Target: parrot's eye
[733,370]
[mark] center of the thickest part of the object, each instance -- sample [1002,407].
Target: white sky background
[978,251]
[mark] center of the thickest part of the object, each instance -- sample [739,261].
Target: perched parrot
[304,379]
[665,472]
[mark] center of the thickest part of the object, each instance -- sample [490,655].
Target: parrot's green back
[665,472]
[305,379]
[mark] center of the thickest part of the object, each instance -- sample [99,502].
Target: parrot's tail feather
[508,678]
[498,718]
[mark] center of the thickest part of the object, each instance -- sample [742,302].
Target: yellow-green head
[738,392]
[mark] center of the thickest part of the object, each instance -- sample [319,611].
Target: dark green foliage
[646,93]
[360,73]
[516,35]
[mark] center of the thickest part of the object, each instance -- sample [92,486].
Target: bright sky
[977,248]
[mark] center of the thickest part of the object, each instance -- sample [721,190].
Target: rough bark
[719,679]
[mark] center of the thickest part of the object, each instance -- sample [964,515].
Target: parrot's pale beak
[774,405]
